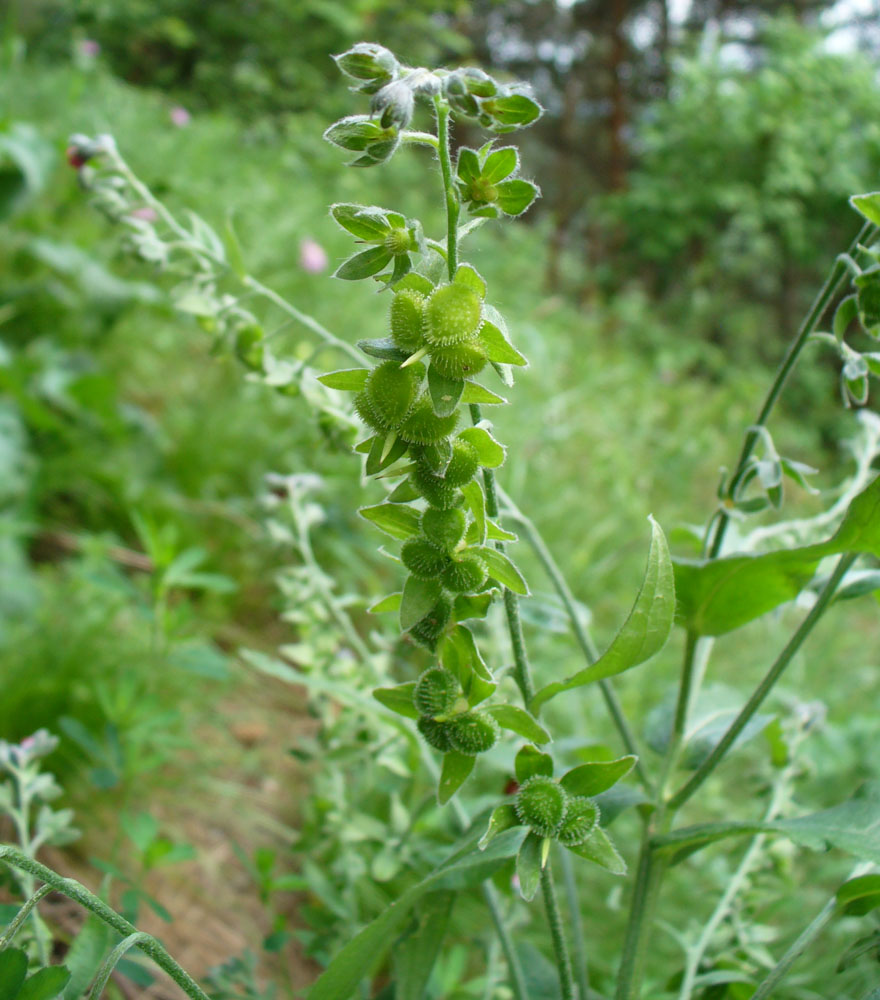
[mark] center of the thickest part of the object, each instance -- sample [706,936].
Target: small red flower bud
[76,157]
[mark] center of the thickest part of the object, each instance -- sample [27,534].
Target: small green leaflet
[859,895]
[389,603]
[364,264]
[530,761]
[395,519]
[473,495]
[502,818]
[419,597]
[528,866]
[346,379]
[476,393]
[643,634]
[498,348]
[456,770]
[503,570]
[601,851]
[445,392]
[399,699]
[518,721]
[489,451]
[867,205]
[593,778]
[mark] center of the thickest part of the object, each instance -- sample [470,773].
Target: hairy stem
[79,894]
[641,919]
[113,959]
[827,292]
[766,685]
[22,915]
[452,205]
[554,920]
[582,969]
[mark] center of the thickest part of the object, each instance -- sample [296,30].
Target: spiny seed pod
[428,630]
[392,392]
[433,457]
[581,818]
[423,426]
[464,463]
[436,692]
[436,733]
[473,733]
[459,360]
[435,489]
[452,314]
[444,528]
[424,560]
[465,575]
[407,319]
[541,804]
[364,409]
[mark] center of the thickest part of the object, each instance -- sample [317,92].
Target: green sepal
[502,818]
[528,865]
[476,502]
[456,770]
[417,282]
[476,393]
[468,165]
[600,850]
[404,492]
[530,762]
[498,534]
[364,264]
[469,606]
[384,348]
[518,721]
[345,379]
[394,519]
[489,451]
[499,164]
[367,223]
[469,276]
[445,392]
[375,462]
[498,348]
[502,569]
[419,597]
[592,778]
[399,699]
[389,603]
[512,111]
[516,195]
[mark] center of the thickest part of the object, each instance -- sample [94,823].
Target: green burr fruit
[444,528]
[581,818]
[541,804]
[436,692]
[465,575]
[459,360]
[392,392]
[428,630]
[452,314]
[407,319]
[473,733]
[365,411]
[423,426]
[436,734]
[463,465]
[424,560]
[435,489]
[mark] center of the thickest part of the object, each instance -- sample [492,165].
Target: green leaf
[513,111]
[454,773]
[419,597]
[46,984]
[593,778]
[470,278]
[471,606]
[416,953]
[389,603]
[502,818]
[644,632]
[500,164]
[497,533]
[476,393]
[395,519]
[489,451]
[859,895]
[528,866]
[346,379]
[417,282]
[530,761]
[13,969]
[384,348]
[366,223]
[465,868]
[363,264]
[460,655]
[517,720]
[476,502]
[468,167]
[403,493]
[498,348]
[601,851]
[85,955]
[515,196]
[445,392]
[399,699]
[867,205]
[376,463]
[502,569]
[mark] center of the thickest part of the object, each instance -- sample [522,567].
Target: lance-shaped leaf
[399,699]
[601,851]
[530,761]
[419,597]
[364,264]
[417,951]
[456,770]
[595,777]
[498,348]
[476,393]
[367,223]
[858,896]
[389,603]
[502,569]
[528,865]
[395,519]
[445,392]
[473,495]
[502,818]
[643,634]
[347,379]
[518,720]
[489,451]
[867,205]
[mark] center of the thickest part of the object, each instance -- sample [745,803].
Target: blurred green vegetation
[128,450]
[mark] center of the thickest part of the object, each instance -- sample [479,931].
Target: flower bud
[541,804]
[581,818]
[371,65]
[473,733]
[394,104]
[436,692]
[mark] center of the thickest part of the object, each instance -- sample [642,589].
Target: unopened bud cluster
[445,721]
[544,806]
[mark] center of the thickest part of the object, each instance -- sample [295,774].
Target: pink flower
[179,116]
[145,212]
[89,48]
[312,257]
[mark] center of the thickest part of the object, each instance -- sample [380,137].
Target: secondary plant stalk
[554,921]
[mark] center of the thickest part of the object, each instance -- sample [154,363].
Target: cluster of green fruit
[445,720]
[546,807]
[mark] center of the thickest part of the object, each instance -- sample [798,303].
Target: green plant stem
[766,685]
[452,205]
[827,292]
[682,709]
[79,894]
[803,942]
[641,918]
[581,966]
[22,915]
[112,960]
[554,920]
[583,637]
